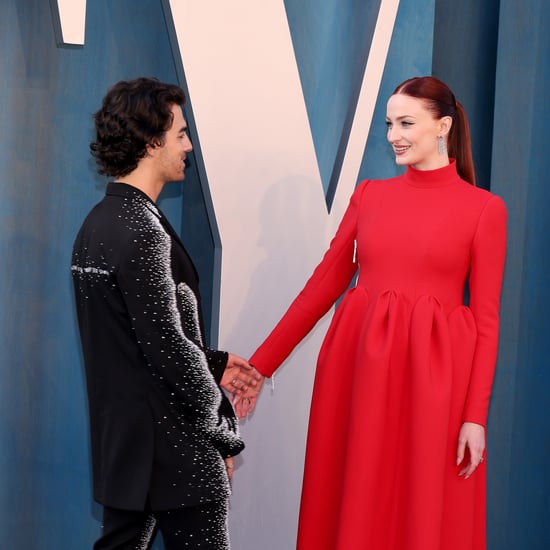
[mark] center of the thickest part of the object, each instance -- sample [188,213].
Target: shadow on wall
[269,471]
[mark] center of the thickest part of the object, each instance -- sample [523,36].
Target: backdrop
[286,111]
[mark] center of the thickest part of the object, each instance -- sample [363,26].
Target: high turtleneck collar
[440,177]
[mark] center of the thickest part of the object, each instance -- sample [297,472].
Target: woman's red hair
[440,100]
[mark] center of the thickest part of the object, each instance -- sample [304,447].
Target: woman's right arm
[327,283]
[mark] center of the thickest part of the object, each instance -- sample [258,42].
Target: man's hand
[230,467]
[239,376]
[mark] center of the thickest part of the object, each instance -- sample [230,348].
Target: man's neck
[142,179]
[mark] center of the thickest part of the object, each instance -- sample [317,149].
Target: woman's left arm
[487,265]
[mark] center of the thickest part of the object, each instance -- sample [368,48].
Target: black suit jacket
[160,425]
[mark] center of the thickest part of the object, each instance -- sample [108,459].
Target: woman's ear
[445,124]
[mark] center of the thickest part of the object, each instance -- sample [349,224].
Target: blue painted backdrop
[331,40]
[501,73]
[494,54]
[519,486]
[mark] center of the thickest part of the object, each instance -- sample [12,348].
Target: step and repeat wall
[286,109]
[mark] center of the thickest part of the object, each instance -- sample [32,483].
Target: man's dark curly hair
[134,114]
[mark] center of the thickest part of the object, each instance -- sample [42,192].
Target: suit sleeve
[217,361]
[165,321]
[327,283]
[487,265]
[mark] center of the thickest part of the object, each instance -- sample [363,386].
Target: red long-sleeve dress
[404,363]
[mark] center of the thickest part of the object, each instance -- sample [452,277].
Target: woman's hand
[471,437]
[245,403]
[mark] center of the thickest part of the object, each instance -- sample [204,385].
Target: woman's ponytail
[459,145]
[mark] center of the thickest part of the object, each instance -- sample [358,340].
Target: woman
[397,425]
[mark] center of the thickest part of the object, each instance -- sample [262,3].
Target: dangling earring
[441,145]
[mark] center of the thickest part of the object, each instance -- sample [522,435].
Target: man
[163,433]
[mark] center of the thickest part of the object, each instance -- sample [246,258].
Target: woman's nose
[392,134]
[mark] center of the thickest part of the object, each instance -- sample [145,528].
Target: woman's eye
[406,123]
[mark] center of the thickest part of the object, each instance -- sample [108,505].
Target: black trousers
[201,527]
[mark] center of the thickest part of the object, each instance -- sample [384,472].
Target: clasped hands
[243,382]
